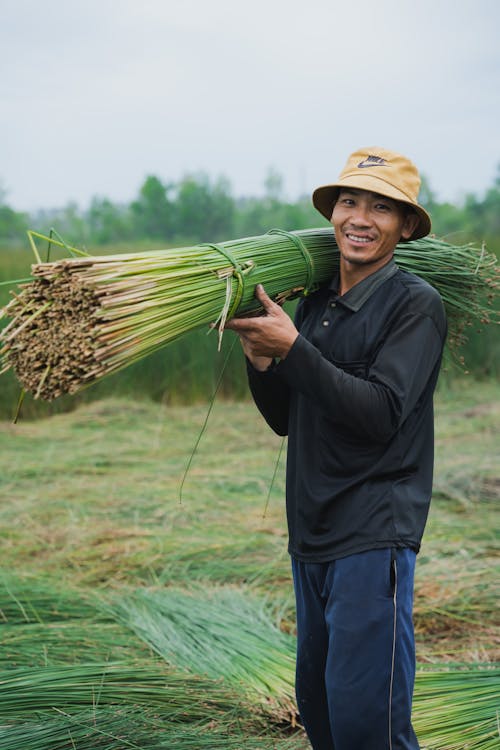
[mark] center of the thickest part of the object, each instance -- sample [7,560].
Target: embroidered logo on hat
[373,161]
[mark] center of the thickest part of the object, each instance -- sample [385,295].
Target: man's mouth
[358,237]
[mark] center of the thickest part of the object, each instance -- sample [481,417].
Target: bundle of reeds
[230,678]
[222,634]
[73,642]
[31,600]
[121,728]
[82,318]
[24,691]
[228,634]
[457,708]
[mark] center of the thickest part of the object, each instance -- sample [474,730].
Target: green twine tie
[239,271]
[309,286]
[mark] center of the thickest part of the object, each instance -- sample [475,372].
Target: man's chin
[356,260]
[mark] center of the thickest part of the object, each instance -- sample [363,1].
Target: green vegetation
[83,318]
[198,209]
[131,619]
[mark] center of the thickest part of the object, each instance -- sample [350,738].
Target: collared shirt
[354,395]
[355,298]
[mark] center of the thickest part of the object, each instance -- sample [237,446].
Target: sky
[97,94]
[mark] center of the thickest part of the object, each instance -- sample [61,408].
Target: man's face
[368,227]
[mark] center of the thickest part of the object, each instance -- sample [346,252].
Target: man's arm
[264,339]
[271,395]
[374,407]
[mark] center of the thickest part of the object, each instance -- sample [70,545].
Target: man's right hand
[265,336]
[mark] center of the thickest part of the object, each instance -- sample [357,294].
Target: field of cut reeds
[130,618]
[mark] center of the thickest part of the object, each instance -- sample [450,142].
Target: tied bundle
[82,318]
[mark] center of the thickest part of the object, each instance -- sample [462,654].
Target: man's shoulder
[421,297]
[416,287]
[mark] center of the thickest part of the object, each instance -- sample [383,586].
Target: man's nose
[360,215]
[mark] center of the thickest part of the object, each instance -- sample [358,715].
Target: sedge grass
[82,641]
[139,706]
[84,318]
[223,634]
[458,709]
[227,635]
[31,600]
[127,728]
[180,696]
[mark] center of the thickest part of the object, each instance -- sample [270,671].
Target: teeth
[356,238]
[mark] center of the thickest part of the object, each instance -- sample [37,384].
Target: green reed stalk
[127,728]
[458,709]
[182,697]
[225,634]
[81,319]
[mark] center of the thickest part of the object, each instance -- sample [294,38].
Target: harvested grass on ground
[73,642]
[458,709]
[181,697]
[121,728]
[93,500]
[25,599]
[229,667]
[92,512]
[222,633]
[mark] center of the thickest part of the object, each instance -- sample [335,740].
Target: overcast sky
[97,94]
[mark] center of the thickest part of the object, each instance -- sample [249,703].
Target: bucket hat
[379,171]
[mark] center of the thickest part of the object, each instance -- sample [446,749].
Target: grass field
[91,518]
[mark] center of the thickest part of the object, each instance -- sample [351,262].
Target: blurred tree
[152,212]
[204,212]
[108,222]
[482,217]
[273,185]
[427,197]
[13,224]
[259,215]
[69,221]
[476,220]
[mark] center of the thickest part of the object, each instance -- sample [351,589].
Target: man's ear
[409,225]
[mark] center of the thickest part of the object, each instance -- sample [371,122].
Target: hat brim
[324,199]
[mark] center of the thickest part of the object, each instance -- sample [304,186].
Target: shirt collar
[356,297]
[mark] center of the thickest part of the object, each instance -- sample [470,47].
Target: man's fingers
[236,324]
[256,322]
[264,298]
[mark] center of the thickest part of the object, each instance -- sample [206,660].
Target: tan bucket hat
[379,171]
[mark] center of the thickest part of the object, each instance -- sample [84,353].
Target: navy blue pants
[356,651]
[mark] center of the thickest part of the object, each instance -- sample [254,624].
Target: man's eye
[382,207]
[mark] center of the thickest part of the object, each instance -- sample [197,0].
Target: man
[351,383]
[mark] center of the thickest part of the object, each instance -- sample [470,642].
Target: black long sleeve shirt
[355,397]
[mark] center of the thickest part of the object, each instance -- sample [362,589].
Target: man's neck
[352,273]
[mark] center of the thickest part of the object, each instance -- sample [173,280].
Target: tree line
[201,209]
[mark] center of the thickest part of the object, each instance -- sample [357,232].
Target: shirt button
[326,323]
[333,304]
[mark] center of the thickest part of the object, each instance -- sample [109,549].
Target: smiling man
[367,227]
[351,383]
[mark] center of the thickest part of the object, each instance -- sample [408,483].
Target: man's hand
[264,337]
